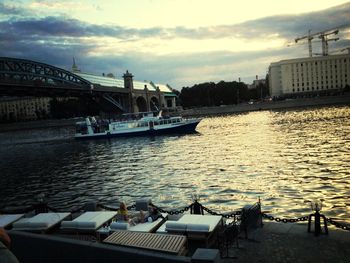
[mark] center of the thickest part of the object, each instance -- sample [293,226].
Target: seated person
[153,214]
[4,238]
[5,243]
[123,215]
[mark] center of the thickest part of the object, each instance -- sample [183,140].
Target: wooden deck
[174,244]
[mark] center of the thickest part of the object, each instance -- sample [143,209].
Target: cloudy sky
[179,42]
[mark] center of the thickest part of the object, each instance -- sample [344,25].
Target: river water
[287,158]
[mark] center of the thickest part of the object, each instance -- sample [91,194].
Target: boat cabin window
[81,128]
[142,124]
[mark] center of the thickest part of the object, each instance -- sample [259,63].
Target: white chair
[195,227]
[41,222]
[8,220]
[89,221]
[175,227]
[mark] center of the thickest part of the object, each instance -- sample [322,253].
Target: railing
[247,217]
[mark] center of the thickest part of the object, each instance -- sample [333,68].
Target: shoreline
[203,111]
[271,105]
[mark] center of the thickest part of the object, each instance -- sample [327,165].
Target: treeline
[221,93]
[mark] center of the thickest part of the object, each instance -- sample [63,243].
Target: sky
[175,42]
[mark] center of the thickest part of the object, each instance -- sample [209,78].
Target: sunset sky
[179,42]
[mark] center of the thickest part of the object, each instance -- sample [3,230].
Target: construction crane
[323,35]
[347,48]
[309,38]
[325,48]
[337,51]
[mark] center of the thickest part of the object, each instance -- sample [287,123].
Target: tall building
[311,75]
[256,83]
[24,109]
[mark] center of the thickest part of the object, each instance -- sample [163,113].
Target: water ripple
[286,158]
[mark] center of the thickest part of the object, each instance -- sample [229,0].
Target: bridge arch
[141,104]
[154,104]
[28,72]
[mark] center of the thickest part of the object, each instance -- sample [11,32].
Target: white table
[211,220]
[6,220]
[189,219]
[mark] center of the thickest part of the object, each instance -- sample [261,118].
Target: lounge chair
[8,220]
[89,221]
[173,227]
[140,227]
[41,222]
[195,227]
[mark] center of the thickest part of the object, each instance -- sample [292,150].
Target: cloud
[286,26]
[180,56]
[54,26]
[8,10]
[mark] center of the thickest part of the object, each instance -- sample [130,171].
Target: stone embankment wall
[6,127]
[204,111]
[270,105]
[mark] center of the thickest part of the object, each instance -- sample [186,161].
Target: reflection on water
[286,158]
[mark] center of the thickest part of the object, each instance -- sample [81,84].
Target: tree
[214,94]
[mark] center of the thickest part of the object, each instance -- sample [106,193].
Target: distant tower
[75,67]
[128,83]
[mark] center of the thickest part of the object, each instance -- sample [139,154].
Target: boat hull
[189,127]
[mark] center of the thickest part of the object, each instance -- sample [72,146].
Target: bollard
[317,206]
[197,208]
[41,208]
[41,205]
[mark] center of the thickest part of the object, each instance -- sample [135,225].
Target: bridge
[22,77]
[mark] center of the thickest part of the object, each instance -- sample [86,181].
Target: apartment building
[309,75]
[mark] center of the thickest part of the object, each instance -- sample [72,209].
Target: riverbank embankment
[203,111]
[28,125]
[269,105]
[272,243]
[290,242]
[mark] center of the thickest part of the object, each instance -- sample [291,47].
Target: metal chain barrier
[338,225]
[172,212]
[114,208]
[304,218]
[285,220]
[181,211]
[131,206]
[233,214]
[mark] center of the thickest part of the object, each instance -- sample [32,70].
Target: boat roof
[140,113]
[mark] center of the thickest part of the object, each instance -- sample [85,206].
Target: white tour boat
[130,125]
